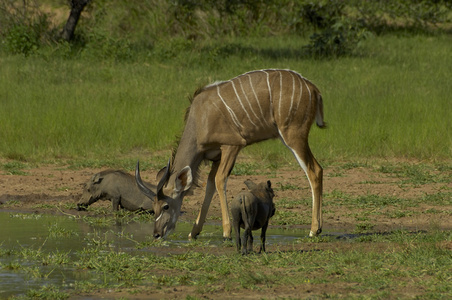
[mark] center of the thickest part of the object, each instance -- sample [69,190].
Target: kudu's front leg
[228,156]
[210,191]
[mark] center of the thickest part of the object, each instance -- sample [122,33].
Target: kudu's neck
[187,154]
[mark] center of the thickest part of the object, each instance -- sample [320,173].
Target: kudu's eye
[165,207]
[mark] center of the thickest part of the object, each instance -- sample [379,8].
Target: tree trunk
[77,7]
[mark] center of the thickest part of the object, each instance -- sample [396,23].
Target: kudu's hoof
[81,207]
[312,234]
[192,237]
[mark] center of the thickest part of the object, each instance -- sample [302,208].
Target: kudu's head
[167,203]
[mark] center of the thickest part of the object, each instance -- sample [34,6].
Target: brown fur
[227,116]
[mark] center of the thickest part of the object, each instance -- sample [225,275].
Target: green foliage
[383,16]
[21,39]
[121,86]
[25,28]
[121,30]
[107,47]
[339,39]
[339,35]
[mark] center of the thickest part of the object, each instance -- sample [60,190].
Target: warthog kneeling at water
[252,210]
[117,186]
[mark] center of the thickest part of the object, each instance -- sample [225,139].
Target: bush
[21,39]
[341,38]
[340,35]
[118,29]
[24,27]
[381,16]
[107,47]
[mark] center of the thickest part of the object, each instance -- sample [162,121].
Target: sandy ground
[59,186]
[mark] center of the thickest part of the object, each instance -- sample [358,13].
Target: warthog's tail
[244,212]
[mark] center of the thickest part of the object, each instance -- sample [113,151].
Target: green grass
[392,101]
[372,265]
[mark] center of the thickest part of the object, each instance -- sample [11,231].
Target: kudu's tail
[319,113]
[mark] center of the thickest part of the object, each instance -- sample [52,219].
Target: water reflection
[30,235]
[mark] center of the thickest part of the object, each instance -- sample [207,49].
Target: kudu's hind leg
[314,172]
[300,148]
[210,191]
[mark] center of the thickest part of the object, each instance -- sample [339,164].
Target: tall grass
[394,101]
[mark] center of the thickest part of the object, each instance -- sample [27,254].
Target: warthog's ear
[250,184]
[184,180]
[269,189]
[97,178]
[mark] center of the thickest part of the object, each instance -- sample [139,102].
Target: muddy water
[29,234]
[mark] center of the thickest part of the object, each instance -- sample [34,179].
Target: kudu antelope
[225,117]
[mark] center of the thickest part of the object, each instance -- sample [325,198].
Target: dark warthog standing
[252,210]
[117,186]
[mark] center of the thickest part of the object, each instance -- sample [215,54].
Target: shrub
[24,27]
[341,38]
[21,39]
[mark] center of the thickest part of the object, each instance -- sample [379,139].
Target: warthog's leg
[249,217]
[263,233]
[238,244]
[210,191]
[247,246]
[115,203]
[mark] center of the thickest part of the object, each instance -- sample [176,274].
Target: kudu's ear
[144,189]
[164,178]
[184,180]
[250,184]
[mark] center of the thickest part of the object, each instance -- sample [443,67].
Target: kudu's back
[254,105]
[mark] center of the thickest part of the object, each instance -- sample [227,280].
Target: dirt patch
[38,189]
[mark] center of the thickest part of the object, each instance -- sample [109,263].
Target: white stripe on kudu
[289,113]
[257,100]
[284,106]
[249,103]
[231,112]
[269,91]
[240,101]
